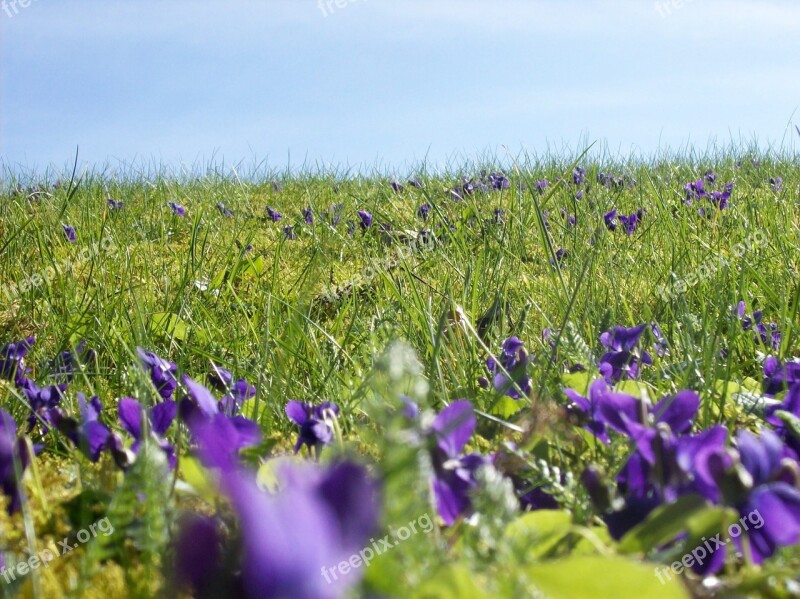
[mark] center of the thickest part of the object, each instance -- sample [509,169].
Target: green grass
[185,288]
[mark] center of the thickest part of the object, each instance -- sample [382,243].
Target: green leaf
[255,268]
[450,582]
[506,407]
[536,534]
[602,577]
[171,325]
[578,381]
[662,525]
[635,388]
[198,478]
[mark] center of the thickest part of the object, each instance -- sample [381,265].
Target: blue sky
[389,83]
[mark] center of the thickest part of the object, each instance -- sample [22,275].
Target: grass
[309,318]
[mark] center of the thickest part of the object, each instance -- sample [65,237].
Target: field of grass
[398,300]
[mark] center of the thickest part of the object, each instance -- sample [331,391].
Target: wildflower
[316,429]
[177,209]
[365,219]
[162,372]
[69,233]
[513,360]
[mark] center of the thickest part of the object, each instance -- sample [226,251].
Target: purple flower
[365,219]
[694,191]
[777,376]
[720,198]
[44,404]
[162,372]
[13,454]
[629,222]
[218,431]
[335,214]
[610,219]
[224,210]
[453,474]
[308,216]
[561,254]
[236,392]
[541,186]
[160,417]
[763,333]
[623,356]
[316,429]
[90,435]
[177,209]
[758,479]
[424,211]
[416,183]
[68,362]
[498,181]
[776,184]
[289,233]
[69,233]
[289,543]
[274,215]
[12,359]
[586,410]
[513,360]
[396,187]
[114,204]
[579,175]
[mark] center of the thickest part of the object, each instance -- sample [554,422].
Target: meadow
[559,377]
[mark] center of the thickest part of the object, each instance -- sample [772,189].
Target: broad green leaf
[602,578]
[255,268]
[171,325]
[506,407]
[450,582]
[536,534]
[578,381]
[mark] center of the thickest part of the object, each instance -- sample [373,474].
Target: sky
[389,84]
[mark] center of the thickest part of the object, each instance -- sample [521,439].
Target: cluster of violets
[283,538]
[753,473]
[766,334]
[93,433]
[628,222]
[696,191]
[672,458]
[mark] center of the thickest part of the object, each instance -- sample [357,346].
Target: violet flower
[513,360]
[365,219]
[12,359]
[13,460]
[69,233]
[289,543]
[160,417]
[316,430]
[162,372]
[177,209]
[453,475]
